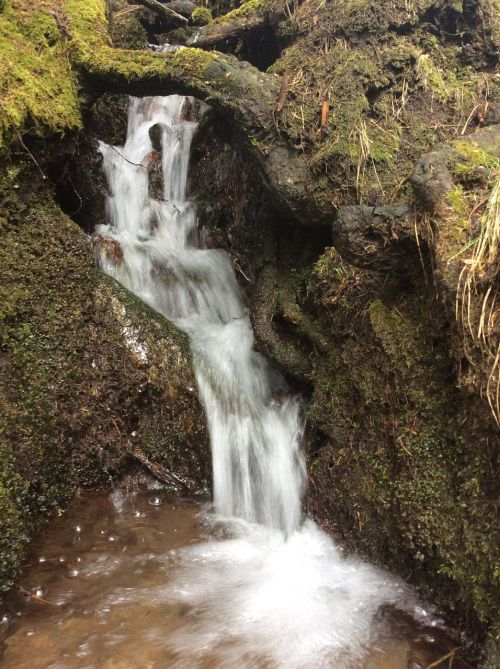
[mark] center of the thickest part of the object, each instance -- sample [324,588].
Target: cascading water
[276,592]
[255,431]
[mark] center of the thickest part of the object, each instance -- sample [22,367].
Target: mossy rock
[36,78]
[126,29]
[201,16]
[399,460]
[88,372]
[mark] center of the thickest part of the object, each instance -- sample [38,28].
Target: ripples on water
[144,582]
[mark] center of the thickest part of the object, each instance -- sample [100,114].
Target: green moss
[458,204]
[470,161]
[201,16]
[389,100]
[37,84]
[247,9]
[403,472]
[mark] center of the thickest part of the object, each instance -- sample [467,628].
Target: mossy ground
[393,89]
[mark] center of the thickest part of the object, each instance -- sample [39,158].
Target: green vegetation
[201,16]
[37,84]
[404,468]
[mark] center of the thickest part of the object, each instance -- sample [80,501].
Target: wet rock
[377,238]
[155,134]
[183,7]
[83,195]
[191,111]
[108,118]
[88,373]
[155,175]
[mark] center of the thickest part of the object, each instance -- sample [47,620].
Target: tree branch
[250,16]
[163,11]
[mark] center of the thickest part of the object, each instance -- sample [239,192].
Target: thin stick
[159,471]
[448,656]
[128,161]
[30,155]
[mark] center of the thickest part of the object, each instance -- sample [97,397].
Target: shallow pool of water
[92,597]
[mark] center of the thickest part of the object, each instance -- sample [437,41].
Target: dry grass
[477,297]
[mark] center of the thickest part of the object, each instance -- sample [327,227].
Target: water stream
[263,586]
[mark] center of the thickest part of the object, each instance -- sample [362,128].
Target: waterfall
[276,590]
[255,426]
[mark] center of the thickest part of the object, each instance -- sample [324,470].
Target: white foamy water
[277,590]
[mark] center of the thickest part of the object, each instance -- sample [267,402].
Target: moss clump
[471,162]
[201,16]
[37,83]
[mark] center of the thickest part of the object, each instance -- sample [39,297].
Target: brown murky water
[72,608]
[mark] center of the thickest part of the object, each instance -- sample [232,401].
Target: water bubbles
[78,531]
[118,499]
[154,501]
[83,650]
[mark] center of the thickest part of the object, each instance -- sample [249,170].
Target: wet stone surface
[93,595]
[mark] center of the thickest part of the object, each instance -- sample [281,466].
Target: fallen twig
[44,176]
[159,471]
[162,10]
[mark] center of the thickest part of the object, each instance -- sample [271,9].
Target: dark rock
[183,7]
[155,134]
[492,115]
[431,178]
[108,118]
[155,174]
[377,238]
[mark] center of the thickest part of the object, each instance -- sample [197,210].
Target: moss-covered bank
[88,373]
[403,449]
